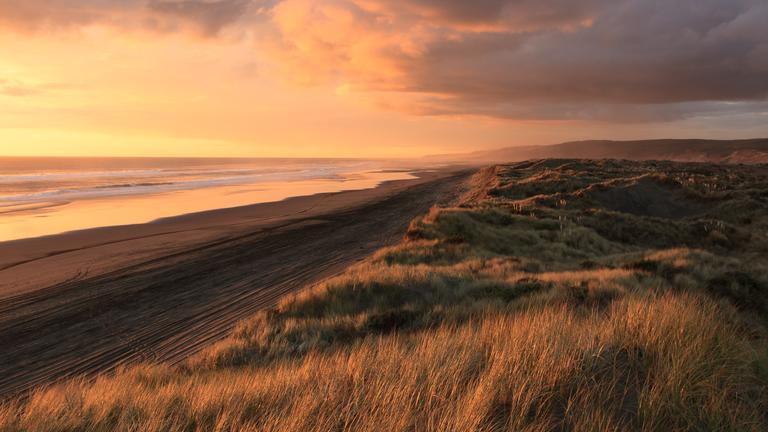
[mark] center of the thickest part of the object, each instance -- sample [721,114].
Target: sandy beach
[88,301]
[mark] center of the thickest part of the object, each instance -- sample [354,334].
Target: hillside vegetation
[558,295]
[747,151]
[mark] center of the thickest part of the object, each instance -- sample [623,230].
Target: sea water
[43,196]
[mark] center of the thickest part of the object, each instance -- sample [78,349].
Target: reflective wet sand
[58,217]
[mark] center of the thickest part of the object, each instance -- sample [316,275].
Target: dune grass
[544,301]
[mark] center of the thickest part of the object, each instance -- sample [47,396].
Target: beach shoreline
[182,229]
[88,301]
[67,208]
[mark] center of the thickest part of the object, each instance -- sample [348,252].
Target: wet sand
[130,207]
[86,302]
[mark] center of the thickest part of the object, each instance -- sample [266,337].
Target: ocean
[42,196]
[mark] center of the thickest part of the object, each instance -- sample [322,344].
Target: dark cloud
[210,16]
[672,57]
[618,59]
[607,112]
[39,14]
[206,16]
[518,14]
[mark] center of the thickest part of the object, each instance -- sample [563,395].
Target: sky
[373,78]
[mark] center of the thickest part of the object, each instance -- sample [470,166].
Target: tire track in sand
[170,307]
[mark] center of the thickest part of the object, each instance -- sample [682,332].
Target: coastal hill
[750,151]
[552,295]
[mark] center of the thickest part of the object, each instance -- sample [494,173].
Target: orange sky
[314,80]
[101,93]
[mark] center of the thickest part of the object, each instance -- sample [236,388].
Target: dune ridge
[747,151]
[538,302]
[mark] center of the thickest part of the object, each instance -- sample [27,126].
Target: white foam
[72,186]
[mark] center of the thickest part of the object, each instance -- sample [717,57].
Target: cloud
[510,14]
[608,60]
[612,60]
[32,15]
[18,88]
[207,17]
[12,89]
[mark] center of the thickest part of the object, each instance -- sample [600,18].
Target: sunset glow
[383,215]
[365,78]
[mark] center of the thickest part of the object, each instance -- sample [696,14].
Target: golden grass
[485,320]
[655,363]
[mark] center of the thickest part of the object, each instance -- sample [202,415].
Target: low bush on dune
[533,306]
